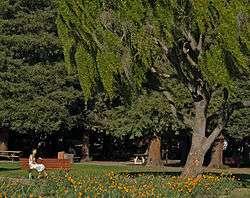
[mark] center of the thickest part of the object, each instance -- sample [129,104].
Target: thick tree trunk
[217,153]
[85,147]
[193,166]
[4,136]
[199,147]
[200,143]
[154,152]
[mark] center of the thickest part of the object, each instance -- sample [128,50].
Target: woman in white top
[40,168]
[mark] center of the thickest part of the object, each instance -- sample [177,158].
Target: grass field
[12,169]
[102,180]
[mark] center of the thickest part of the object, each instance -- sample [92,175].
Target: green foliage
[67,42]
[239,123]
[36,93]
[192,48]
[148,115]
[137,29]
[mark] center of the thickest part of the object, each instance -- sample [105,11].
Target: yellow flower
[80,194]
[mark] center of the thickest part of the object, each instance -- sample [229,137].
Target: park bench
[141,157]
[13,155]
[49,163]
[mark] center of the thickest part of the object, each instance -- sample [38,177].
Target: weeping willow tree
[202,44]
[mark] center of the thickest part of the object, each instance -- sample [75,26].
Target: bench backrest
[49,163]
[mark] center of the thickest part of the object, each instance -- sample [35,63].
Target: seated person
[40,168]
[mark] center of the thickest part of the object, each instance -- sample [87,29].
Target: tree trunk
[85,147]
[193,166]
[4,136]
[217,153]
[154,152]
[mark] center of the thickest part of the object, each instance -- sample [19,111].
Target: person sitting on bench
[40,168]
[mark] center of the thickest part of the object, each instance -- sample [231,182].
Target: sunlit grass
[92,180]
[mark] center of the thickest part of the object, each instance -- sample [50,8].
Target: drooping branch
[181,116]
[195,46]
[189,58]
[170,56]
[192,41]
[200,44]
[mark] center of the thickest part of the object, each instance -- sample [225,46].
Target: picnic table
[10,154]
[141,157]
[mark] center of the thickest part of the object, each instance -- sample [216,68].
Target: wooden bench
[49,163]
[143,158]
[13,155]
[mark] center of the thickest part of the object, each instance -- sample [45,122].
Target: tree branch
[164,47]
[232,107]
[178,115]
[189,58]
[239,105]
[211,138]
[171,102]
[199,46]
[221,125]
[188,122]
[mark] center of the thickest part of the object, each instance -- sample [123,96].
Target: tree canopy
[126,38]
[239,123]
[36,93]
[202,44]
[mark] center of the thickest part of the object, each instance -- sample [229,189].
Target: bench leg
[135,160]
[143,160]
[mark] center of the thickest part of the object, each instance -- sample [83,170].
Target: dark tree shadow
[8,169]
[156,173]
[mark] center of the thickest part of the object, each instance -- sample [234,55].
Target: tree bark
[217,153]
[199,147]
[193,166]
[85,147]
[154,152]
[4,136]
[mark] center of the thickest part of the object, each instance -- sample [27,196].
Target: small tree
[198,43]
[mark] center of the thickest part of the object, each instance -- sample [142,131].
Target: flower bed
[119,185]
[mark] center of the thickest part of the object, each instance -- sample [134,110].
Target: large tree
[199,43]
[37,95]
[148,117]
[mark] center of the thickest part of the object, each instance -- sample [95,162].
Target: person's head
[34,151]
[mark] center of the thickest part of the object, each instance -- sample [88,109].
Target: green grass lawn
[12,170]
